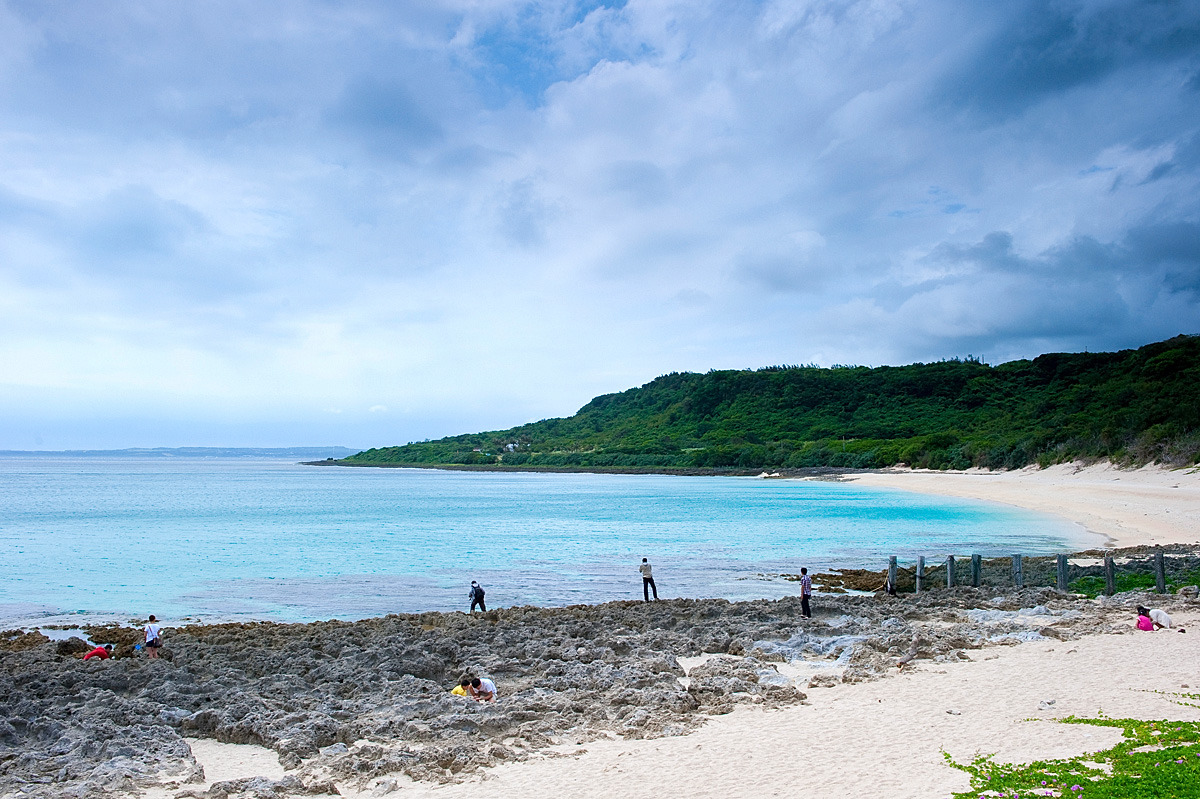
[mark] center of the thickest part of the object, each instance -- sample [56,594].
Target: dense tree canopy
[1135,406]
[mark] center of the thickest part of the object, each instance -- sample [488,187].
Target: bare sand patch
[1132,507]
[223,761]
[883,738]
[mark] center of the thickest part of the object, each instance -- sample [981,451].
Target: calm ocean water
[217,539]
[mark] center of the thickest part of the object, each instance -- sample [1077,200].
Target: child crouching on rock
[483,690]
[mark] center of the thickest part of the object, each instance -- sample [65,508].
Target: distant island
[1133,406]
[191,452]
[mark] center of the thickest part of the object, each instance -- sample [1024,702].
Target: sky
[362,224]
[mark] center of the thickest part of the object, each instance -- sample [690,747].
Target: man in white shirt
[647,580]
[1160,618]
[483,689]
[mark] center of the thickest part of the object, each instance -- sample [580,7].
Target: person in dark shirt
[805,593]
[476,597]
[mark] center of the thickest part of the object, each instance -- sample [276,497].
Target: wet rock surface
[363,702]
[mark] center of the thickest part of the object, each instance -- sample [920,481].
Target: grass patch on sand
[1093,586]
[1156,759]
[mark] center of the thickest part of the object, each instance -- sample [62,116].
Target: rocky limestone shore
[361,702]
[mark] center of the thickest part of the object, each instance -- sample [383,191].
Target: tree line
[1133,406]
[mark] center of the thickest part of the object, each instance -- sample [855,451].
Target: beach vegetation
[1092,585]
[1154,759]
[1131,407]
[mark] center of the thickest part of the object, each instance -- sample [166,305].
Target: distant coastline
[186,452]
[685,471]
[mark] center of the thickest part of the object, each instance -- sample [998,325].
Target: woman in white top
[153,637]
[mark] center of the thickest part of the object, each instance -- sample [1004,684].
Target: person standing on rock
[153,637]
[476,597]
[647,580]
[805,593]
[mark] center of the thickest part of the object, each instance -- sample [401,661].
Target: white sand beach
[1132,507]
[885,738]
[877,739]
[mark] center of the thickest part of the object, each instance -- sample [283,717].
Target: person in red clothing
[102,652]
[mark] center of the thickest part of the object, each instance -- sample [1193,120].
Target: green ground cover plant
[1093,585]
[1156,760]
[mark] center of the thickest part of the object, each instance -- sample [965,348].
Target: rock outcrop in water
[357,702]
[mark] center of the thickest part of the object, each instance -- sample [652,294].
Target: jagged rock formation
[355,702]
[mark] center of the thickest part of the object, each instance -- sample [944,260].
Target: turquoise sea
[89,538]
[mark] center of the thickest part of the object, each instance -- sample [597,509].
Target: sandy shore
[1132,507]
[883,738]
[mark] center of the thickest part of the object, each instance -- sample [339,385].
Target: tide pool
[87,538]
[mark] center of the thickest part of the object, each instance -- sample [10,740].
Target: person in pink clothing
[1158,619]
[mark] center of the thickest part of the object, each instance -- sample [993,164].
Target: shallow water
[235,539]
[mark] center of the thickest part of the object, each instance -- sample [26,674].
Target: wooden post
[891,586]
[1160,571]
[950,571]
[1110,577]
[976,570]
[1018,575]
[920,571]
[1062,573]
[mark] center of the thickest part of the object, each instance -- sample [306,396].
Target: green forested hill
[1135,406]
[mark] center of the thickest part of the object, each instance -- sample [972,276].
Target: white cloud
[477,214]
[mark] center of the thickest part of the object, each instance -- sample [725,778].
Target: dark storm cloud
[1174,248]
[1156,255]
[990,297]
[1043,48]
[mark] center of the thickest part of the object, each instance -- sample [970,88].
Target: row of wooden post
[1018,576]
